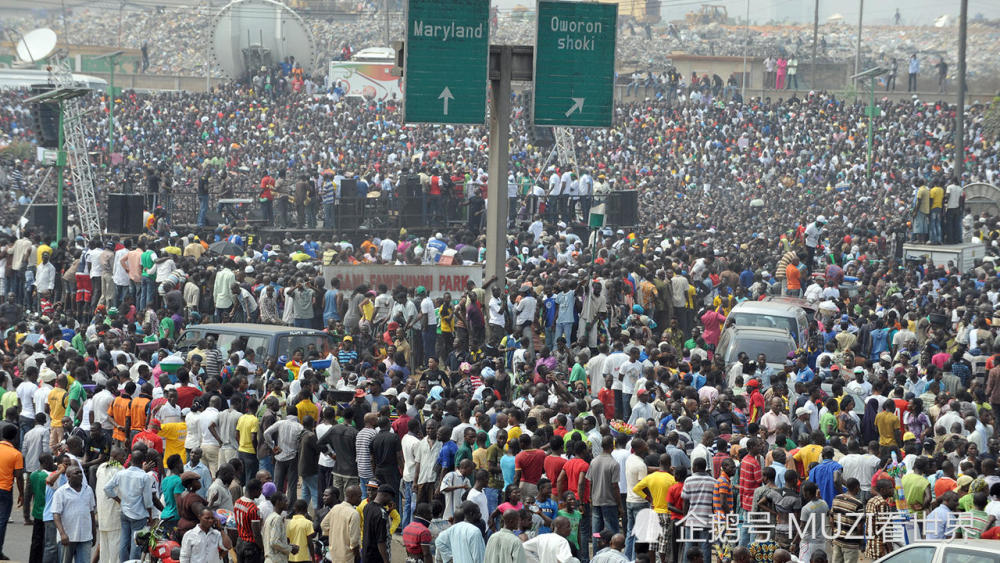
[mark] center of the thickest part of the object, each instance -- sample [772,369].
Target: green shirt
[579,373]
[493,455]
[79,394]
[171,485]
[7,400]
[574,523]
[37,483]
[146,261]
[464,452]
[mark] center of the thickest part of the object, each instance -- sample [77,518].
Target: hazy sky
[914,12]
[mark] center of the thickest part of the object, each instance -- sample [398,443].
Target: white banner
[437,279]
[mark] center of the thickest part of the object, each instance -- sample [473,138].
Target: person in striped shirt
[723,504]
[697,492]
[750,473]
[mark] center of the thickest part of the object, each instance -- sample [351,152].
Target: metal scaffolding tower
[75,145]
[566,147]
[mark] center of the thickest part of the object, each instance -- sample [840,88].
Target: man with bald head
[342,526]
[463,541]
[552,546]
[613,553]
[504,546]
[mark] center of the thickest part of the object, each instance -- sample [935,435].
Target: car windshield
[226,342]
[775,350]
[767,321]
[289,344]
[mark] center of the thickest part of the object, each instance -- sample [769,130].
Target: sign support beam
[499,155]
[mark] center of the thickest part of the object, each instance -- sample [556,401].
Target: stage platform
[963,255]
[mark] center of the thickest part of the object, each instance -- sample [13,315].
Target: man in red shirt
[607,397]
[555,461]
[248,524]
[750,473]
[186,394]
[574,473]
[150,436]
[528,467]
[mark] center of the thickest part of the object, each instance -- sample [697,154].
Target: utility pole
[960,110]
[812,77]
[121,13]
[857,53]
[499,155]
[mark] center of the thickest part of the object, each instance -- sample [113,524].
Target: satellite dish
[248,34]
[36,45]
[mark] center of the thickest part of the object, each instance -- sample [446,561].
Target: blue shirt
[135,490]
[549,305]
[805,376]
[330,306]
[822,475]
[507,468]
[206,477]
[779,474]
[566,301]
[549,508]
[446,458]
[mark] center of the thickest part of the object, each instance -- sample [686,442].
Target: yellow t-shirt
[306,407]
[808,455]
[479,458]
[247,425]
[887,425]
[173,434]
[659,484]
[923,200]
[57,410]
[299,529]
[937,197]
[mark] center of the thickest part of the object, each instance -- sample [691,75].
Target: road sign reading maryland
[446,61]
[575,64]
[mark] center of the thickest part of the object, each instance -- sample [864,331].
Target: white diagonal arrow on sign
[446,95]
[577,105]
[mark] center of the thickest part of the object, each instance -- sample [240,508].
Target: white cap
[821,219]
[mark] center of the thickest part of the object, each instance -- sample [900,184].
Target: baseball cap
[909,436]
[963,481]
[753,383]
[801,411]
[348,338]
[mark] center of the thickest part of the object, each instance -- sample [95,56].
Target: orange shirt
[793,277]
[10,461]
[137,410]
[119,412]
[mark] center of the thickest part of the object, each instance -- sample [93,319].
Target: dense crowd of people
[574,409]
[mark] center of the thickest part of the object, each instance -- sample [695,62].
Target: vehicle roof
[251,328]
[766,307]
[794,301]
[760,331]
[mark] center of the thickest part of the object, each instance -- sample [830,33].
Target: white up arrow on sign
[446,95]
[577,105]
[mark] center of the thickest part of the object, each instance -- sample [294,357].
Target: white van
[785,316]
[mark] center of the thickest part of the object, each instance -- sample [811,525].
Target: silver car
[948,551]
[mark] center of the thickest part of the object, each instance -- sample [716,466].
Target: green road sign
[575,64]
[446,58]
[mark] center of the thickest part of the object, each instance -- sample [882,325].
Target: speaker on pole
[623,208]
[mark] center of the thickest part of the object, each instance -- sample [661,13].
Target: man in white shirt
[429,320]
[211,437]
[74,512]
[552,547]
[496,322]
[387,249]
[525,310]
[410,444]
[205,542]
[119,273]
